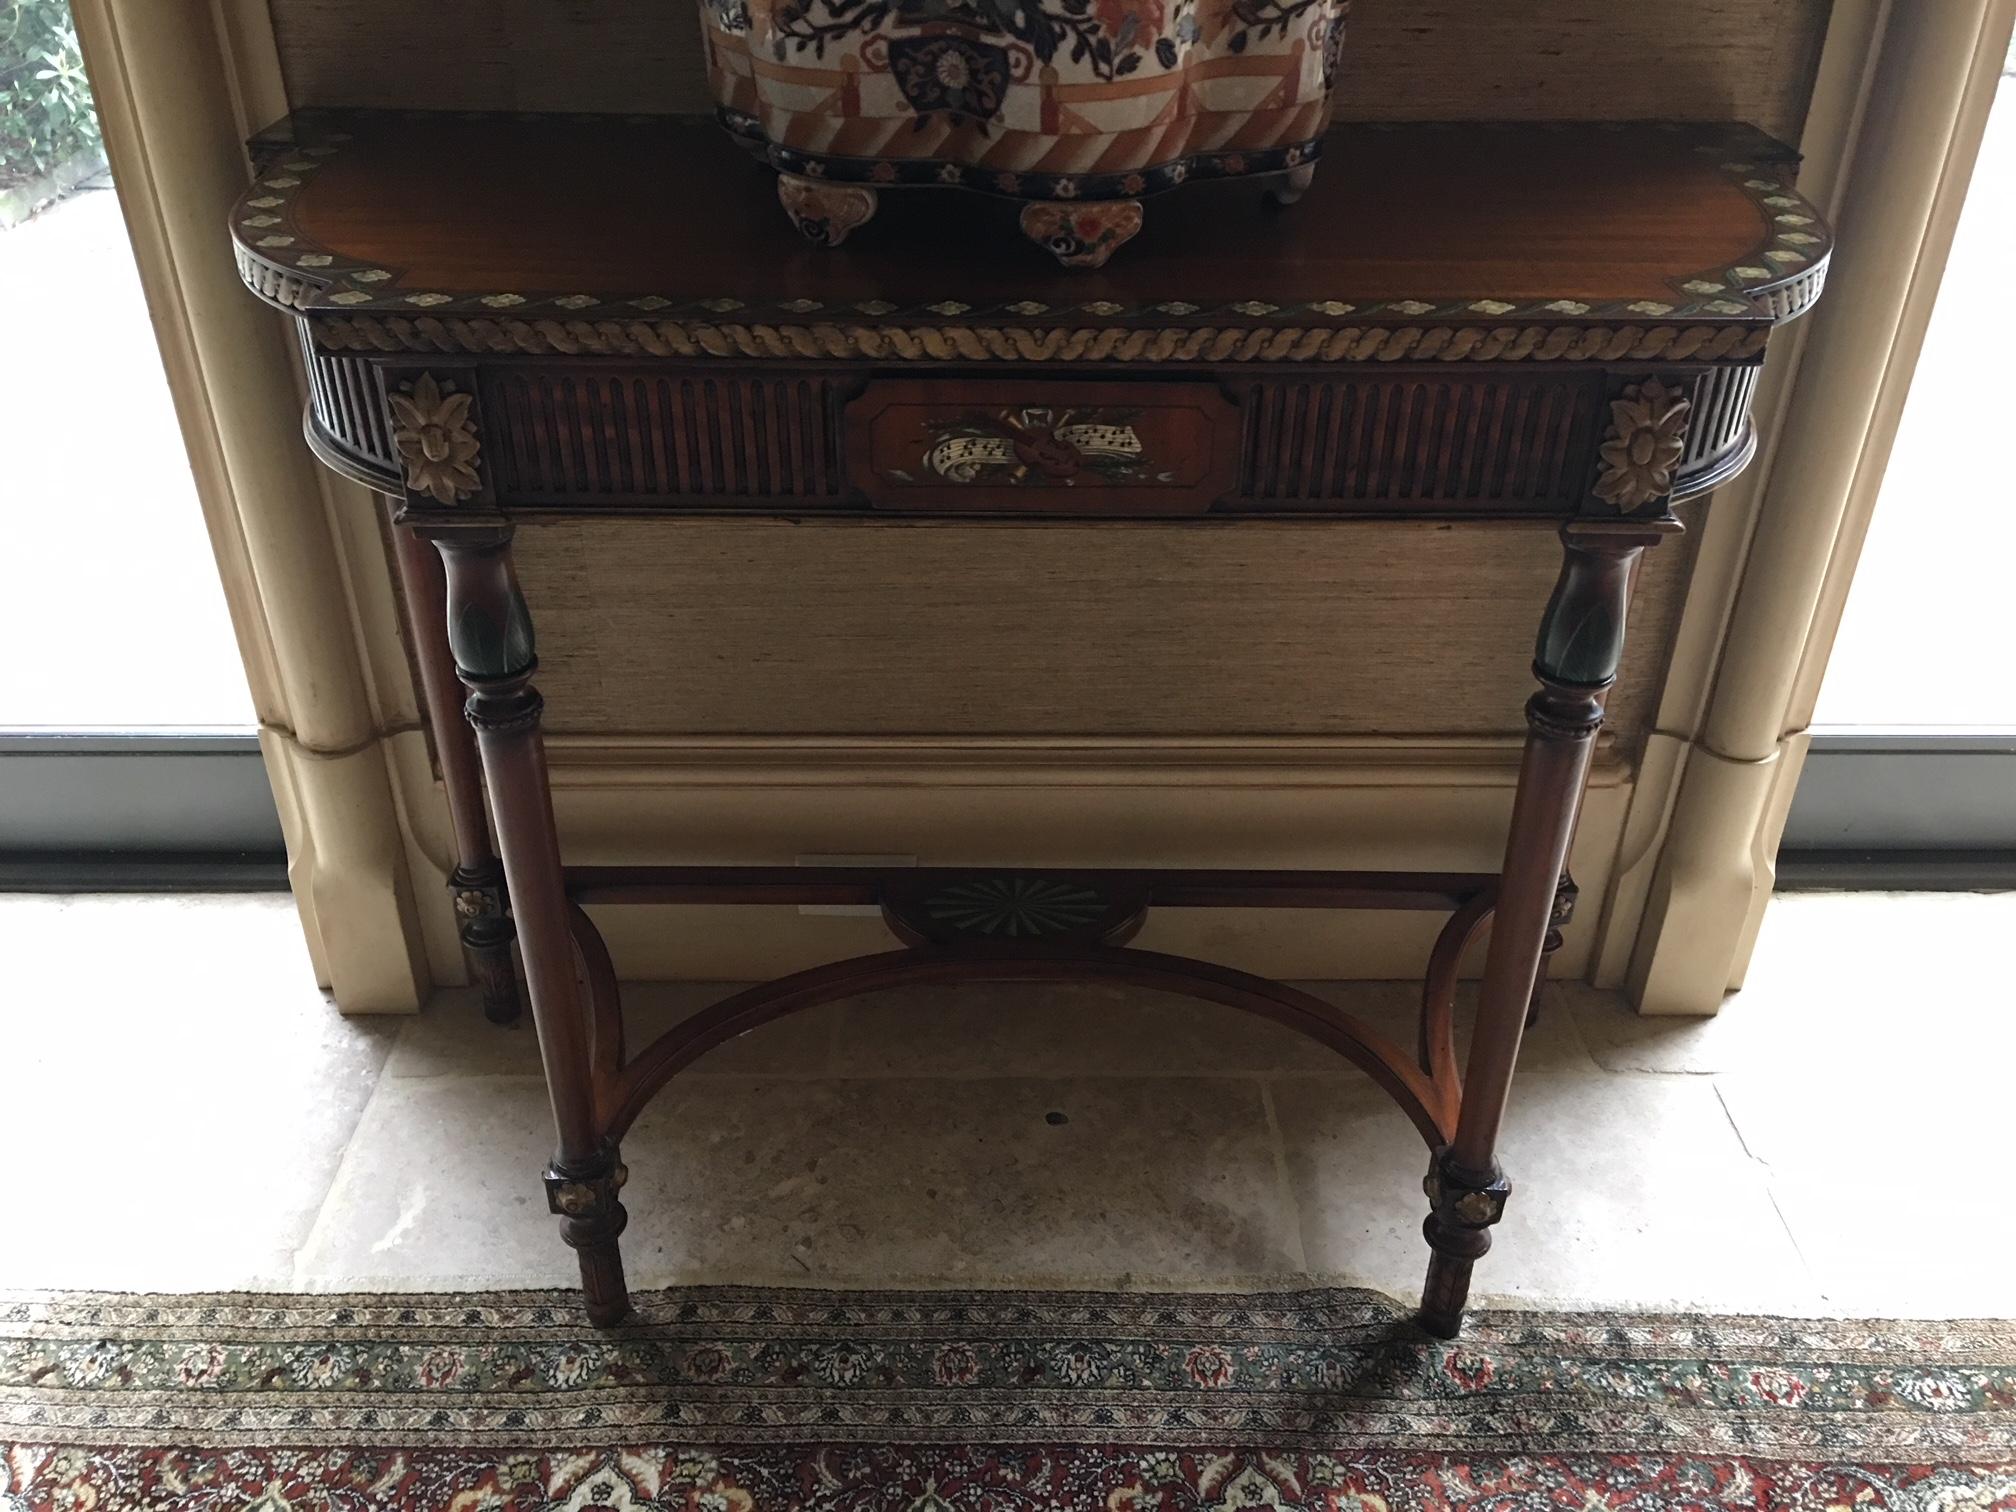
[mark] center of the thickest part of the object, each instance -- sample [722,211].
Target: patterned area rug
[733,1400]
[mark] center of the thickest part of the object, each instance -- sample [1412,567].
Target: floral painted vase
[1077,108]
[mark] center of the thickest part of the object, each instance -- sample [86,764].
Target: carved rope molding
[434,432]
[1641,453]
[639,338]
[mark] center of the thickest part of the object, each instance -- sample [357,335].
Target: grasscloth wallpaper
[728,627]
[1409,59]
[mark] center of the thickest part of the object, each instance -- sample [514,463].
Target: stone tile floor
[183,1110]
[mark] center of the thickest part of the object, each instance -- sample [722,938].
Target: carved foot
[1293,184]
[483,919]
[583,1193]
[1462,1207]
[824,213]
[1081,235]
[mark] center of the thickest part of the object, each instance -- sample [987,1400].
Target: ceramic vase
[1080,109]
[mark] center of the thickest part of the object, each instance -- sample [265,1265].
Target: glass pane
[110,607]
[1925,638]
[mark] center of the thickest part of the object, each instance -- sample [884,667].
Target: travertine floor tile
[1890,1132]
[1619,1039]
[1083,1029]
[1937,1246]
[1857,1087]
[1087,1181]
[1623,1188]
[980,1029]
[177,1091]
[1869,984]
[1074,1029]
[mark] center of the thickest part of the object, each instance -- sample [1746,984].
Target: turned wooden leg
[1081,234]
[490,632]
[1293,184]
[825,213]
[482,908]
[1581,638]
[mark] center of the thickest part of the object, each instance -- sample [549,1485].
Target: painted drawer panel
[1038,446]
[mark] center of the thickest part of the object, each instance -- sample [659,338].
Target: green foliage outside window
[45,101]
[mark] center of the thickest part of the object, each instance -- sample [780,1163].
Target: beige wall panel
[762,627]
[1409,60]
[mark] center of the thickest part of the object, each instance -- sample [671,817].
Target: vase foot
[824,213]
[1081,235]
[1293,184]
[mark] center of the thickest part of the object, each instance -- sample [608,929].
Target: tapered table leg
[1581,640]
[490,632]
[482,909]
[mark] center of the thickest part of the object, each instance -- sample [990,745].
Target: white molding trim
[172,96]
[1897,124]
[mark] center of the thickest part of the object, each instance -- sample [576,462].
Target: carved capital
[434,430]
[1641,452]
[1582,632]
[489,627]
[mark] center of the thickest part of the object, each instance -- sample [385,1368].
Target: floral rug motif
[742,1400]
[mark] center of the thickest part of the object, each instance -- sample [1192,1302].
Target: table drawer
[1042,446]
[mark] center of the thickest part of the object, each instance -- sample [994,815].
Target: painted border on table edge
[280,265]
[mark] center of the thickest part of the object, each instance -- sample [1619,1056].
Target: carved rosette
[586,1196]
[1641,452]
[481,906]
[1562,914]
[434,429]
[1457,1202]
[471,904]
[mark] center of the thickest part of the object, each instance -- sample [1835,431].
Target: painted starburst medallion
[1015,908]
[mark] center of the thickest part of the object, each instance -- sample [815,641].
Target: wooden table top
[593,219]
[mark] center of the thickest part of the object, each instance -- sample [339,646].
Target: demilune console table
[571,317]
